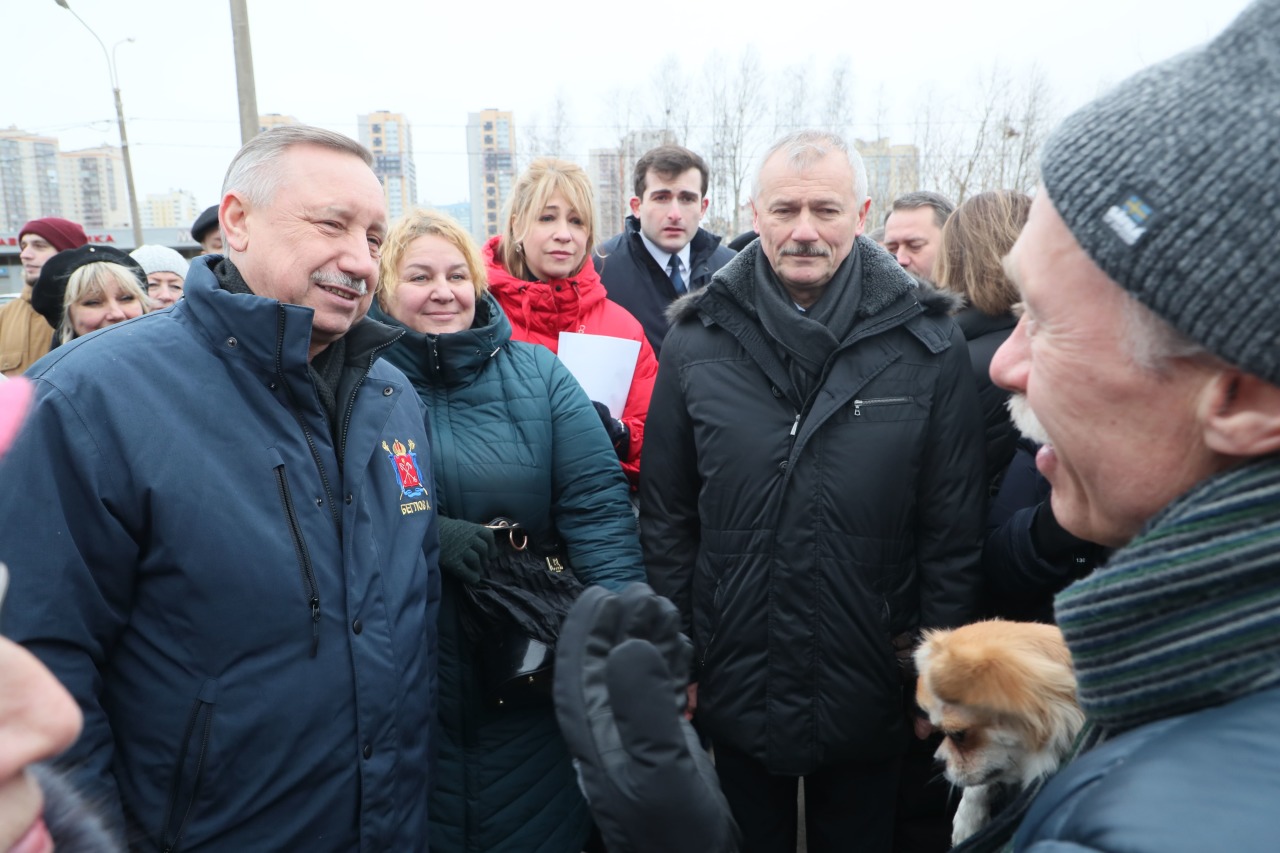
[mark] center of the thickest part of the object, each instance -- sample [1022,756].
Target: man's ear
[232,214]
[635,206]
[1240,414]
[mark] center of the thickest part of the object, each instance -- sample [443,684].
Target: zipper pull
[315,626]
[795,424]
[857,408]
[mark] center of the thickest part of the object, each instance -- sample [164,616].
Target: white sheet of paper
[602,365]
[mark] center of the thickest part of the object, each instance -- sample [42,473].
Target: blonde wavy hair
[545,177]
[422,222]
[93,280]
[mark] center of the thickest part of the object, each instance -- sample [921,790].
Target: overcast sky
[325,61]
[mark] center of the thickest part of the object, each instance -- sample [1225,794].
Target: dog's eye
[957,737]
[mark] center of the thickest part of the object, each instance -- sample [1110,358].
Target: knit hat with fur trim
[61,234]
[1171,184]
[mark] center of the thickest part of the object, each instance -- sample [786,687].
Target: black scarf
[807,339]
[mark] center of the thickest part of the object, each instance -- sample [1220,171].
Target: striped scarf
[1185,617]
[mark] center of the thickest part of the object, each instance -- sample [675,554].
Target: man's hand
[622,668]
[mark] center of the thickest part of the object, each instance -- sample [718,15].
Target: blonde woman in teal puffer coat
[513,435]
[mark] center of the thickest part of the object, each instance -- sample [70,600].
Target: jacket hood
[884,282]
[548,307]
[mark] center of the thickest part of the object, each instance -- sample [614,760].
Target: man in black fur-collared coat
[811,499]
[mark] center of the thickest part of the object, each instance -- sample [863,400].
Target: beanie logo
[1129,218]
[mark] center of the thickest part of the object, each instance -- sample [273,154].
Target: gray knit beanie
[1171,184]
[160,259]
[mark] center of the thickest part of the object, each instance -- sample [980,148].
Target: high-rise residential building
[612,172]
[174,209]
[491,160]
[266,121]
[29,178]
[608,175]
[93,187]
[388,136]
[892,170]
[460,211]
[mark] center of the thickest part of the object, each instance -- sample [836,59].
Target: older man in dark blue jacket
[224,543]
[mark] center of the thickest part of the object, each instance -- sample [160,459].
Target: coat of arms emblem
[405,462]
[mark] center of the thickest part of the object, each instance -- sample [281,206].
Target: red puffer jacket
[540,310]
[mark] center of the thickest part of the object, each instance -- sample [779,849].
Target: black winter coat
[984,334]
[797,541]
[636,282]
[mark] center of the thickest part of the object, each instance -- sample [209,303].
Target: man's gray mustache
[339,280]
[805,251]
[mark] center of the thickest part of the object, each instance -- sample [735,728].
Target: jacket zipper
[351,407]
[309,587]
[171,846]
[306,433]
[877,401]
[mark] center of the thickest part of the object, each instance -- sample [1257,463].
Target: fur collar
[884,282]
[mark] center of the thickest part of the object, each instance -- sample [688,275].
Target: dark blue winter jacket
[1202,781]
[244,608]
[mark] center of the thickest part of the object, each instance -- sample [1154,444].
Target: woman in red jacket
[541,274]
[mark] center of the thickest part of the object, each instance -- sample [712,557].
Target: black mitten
[619,435]
[465,548]
[621,670]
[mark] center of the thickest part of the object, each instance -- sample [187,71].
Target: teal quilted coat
[513,435]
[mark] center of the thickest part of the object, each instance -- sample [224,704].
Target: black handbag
[514,618]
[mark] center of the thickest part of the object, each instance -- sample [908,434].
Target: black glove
[465,548]
[619,435]
[621,669]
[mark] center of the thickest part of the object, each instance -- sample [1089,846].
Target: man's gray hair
[942,206]
[254,172]
[1153,344]
[803,148]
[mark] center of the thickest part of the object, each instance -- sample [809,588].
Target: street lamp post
[124,137]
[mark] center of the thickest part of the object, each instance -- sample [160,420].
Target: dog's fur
[1004,696]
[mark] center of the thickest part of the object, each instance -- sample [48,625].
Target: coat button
[368,750]
[349,500]
[357,626]
[232,342]
[319,501]
[782,466]
[777,392]
[388,391]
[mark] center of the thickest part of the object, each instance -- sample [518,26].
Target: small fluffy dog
[1004,695]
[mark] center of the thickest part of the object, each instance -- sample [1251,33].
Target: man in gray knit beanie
[1152,364]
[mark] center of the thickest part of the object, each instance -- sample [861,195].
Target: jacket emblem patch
[405,462]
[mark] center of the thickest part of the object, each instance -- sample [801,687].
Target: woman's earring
[519,248]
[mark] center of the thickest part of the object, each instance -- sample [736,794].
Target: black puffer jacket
[984,334]
[795,542]
[636,282]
